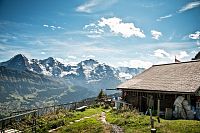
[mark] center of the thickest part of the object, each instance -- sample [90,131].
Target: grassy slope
[129,121]
[133,122]
[91,125]
[63,118]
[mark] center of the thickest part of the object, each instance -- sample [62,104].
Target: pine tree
[101,95]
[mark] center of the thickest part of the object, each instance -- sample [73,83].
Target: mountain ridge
[28,83]
[52,67]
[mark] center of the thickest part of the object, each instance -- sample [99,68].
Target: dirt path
[115,128]
[107,129]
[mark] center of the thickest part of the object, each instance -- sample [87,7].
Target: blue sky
[134,33]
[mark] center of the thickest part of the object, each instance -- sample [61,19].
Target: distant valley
[28,83]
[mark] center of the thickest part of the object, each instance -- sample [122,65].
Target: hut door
[144,104]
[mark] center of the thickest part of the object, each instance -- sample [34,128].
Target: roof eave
[156,91]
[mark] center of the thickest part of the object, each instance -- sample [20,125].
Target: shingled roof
[175,77]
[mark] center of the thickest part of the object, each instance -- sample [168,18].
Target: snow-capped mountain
[128,73]
[18,62]
[87,70]
[35,83]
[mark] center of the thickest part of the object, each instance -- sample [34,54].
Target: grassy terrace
[130,121]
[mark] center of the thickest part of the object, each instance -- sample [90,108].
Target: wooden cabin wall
[140,100]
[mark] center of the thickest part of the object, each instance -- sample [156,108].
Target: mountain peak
[90,62]
[19,56]
[49,61]
[89,69]
[50,58]
[19,62]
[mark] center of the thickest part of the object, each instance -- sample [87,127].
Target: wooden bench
[82,108]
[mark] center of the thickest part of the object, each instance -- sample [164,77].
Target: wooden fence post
[153,130]
[158,111]
[151,119]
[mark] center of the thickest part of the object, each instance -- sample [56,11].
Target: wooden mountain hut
[159,86]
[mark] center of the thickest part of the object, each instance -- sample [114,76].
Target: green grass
[133,122]
[179,126]
[90,125]
[64,117]
[130,121]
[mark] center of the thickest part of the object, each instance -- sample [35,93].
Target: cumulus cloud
[160,53]
[189,6]
[164,17]
[52,27]
[182,55]
[136,64]
[116,26]
[156,34]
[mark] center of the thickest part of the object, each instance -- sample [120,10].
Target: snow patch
[67,73]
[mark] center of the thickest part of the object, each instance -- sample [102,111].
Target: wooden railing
[21,117]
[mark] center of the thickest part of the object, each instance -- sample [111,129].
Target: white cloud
[195,36]
[160,53]
[93,30]
[135,64]
[87,7]
[43,53]
[66,61]
[182,55]
[89,25]
[94,36]
[194,52]
[189,6]
[92,5]
[164,17]
[186,7]
[71,57]
[45,25]
[52,27]
[116,26]
[156,34]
